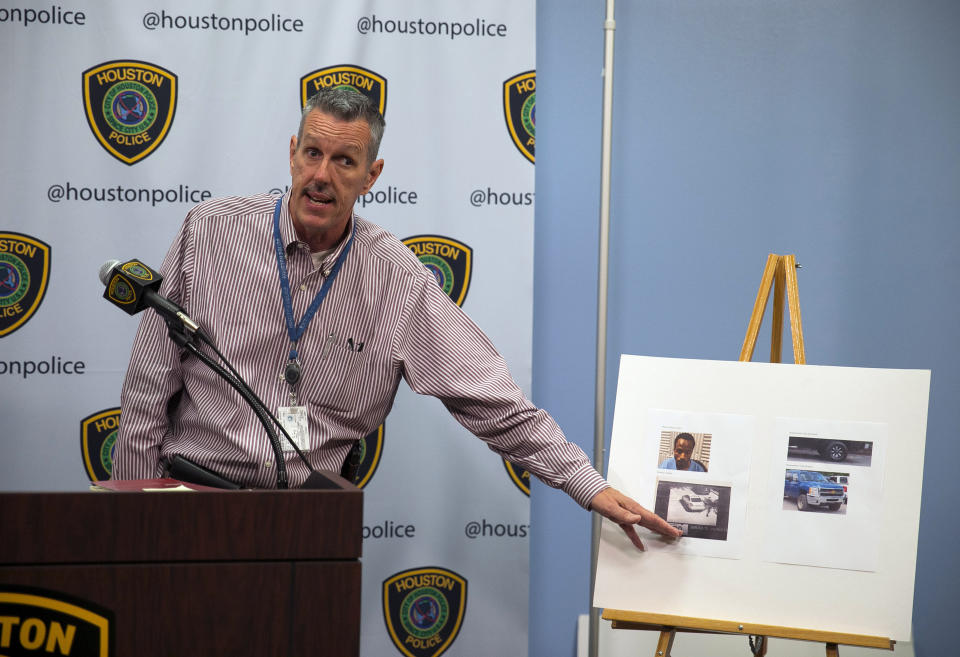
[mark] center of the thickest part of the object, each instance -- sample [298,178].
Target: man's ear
[293,149]
[372,174]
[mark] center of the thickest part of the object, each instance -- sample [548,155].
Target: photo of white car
[692,503]
[699,509]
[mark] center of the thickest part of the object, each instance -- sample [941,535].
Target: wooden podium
[249,572]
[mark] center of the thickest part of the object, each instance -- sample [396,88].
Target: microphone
[133,286]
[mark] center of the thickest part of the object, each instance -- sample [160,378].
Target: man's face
[682,453]
[329,171]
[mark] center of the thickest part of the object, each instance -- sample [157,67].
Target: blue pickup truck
[810,488]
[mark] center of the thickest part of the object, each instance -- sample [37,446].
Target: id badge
[294,420]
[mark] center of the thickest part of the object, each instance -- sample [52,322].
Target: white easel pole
[609,26]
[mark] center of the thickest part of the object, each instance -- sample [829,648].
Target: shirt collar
[288,234]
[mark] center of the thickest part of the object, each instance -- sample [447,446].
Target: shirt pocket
[341,378]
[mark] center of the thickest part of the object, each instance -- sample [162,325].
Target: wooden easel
[781,273]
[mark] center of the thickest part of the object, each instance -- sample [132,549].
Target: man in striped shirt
[361,313]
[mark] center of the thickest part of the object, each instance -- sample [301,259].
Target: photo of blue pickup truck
[812,489]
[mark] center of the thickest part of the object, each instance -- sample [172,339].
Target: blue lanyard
[294,330]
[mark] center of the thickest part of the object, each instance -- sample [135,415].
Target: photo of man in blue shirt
[682,458]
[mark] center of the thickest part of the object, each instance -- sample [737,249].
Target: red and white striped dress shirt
[222,269]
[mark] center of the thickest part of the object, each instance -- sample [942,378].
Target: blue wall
[569,57]
[821,128]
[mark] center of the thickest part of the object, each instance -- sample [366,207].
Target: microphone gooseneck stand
[183,335]
[180,336]
[314,480]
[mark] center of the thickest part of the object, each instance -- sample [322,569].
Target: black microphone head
[128,284]
[105,269]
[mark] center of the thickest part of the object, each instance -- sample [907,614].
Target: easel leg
[776,338]
[793,298]
[833,650]
[759,307]
[665,643]
[759,649]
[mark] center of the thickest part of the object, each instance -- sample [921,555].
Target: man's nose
[322,171]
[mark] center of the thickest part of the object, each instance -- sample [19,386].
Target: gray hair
[347,104]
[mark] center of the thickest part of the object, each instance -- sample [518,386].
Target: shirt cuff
[584,484]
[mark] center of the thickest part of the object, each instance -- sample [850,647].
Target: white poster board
[806,511]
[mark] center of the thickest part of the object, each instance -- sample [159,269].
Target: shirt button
[303,288]
[267,464]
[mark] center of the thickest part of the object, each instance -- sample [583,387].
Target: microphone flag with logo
[129,284]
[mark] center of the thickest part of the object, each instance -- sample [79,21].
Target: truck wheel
[835,450]
[802,502]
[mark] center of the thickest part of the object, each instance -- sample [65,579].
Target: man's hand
[615,506]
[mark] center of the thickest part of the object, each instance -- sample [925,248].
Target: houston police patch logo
[130,106]
[448,260]
[371,448]
[98,436]
[24,274]
[519,476]
[370,84]
[423,609]
[520,111]
[42,622]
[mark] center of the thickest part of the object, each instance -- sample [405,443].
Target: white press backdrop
[238,89]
